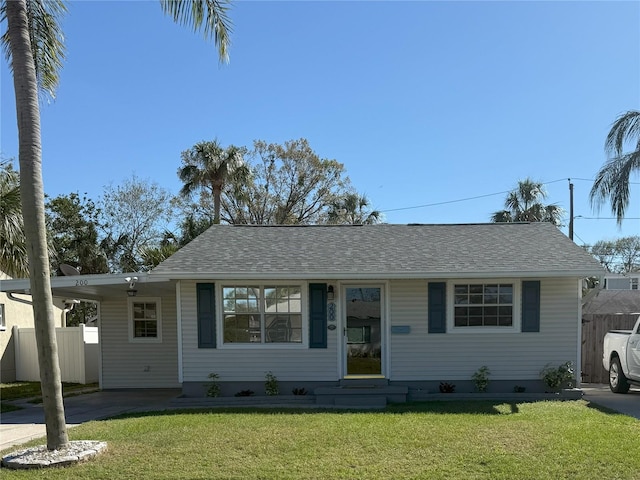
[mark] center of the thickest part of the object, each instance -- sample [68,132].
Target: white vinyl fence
[78,351]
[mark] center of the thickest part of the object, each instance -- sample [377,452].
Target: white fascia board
[369,275]
[23,285]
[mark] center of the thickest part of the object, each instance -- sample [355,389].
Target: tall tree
[33,43]
[524,204]
[207,167]
[612,181]
[289,184]
[134,216]
[353,208]
[72,225]
[13,250]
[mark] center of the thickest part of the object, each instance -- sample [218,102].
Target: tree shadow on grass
[478,407]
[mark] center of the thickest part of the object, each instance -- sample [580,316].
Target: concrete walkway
[23,425]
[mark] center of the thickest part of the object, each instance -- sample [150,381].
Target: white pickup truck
[621,357]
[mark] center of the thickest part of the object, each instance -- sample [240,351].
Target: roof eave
[165,276]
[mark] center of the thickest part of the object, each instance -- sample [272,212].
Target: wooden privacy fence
[594,328]
[78,351]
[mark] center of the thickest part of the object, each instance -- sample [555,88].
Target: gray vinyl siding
[127,364]
[249,363]
[456,356]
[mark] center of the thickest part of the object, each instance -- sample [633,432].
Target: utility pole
[570,210]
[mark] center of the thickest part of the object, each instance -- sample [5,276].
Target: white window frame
[304,288]
[517,308]
[158,302]
[3,319]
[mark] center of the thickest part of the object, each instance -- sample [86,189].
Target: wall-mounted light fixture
[131,291]
[330,293]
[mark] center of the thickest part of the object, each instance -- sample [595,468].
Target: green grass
[436,440]
[31,390]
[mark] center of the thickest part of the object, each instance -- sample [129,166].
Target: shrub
[244,393]
[271,384]
[446,387]
[213,389]
[519,389]
[556,378]
[481,378]
[299,391]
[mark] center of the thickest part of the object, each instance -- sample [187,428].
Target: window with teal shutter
[317,315]
[206,314]
[531,306]
[437,310]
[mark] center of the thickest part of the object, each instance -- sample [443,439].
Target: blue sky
[442,106]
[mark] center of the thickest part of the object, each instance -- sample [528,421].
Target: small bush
[446,387]
[481,378]
[213,389]
[271,384]
[519,389]
[299,391]
[245,393]
[556,378]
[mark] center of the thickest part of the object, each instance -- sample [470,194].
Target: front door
[363,330]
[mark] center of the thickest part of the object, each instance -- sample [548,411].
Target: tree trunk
[217,194]
[32,194]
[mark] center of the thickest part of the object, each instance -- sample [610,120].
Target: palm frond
[47,41]
[209,16]
[625,128]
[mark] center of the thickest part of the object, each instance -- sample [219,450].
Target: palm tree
[207,166]
[13,250]
[524,205]
[612,181]
[33,43]
[353,208]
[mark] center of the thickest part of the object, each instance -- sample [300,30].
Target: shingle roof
[613,302]
[382,251]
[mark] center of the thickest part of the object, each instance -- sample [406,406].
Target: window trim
[517,306]
[158,302]
[304,299]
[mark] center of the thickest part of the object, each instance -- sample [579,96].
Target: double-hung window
[145,320]
[264,314]
[483,305]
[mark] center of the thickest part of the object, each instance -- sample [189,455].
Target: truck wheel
[617,381]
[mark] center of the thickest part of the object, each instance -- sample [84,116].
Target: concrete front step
[361,394]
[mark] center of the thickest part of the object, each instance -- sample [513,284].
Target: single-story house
[411,305]
[15,311]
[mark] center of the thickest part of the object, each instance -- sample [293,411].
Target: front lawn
[436,440]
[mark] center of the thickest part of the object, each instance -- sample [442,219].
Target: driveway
[629,403]
[23,425]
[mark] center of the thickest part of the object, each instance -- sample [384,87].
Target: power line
[463,199]
[500,193]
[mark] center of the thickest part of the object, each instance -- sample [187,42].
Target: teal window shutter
[531,306]
[206,303]
[317,315]
[437,309]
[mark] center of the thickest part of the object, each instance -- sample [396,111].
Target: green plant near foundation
[213,387]
[481,378]
[271,384]
[556,378]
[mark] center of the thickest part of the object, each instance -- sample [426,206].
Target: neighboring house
[412,305]
[622,282]
[16,311]
[12,313]
[608,309]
